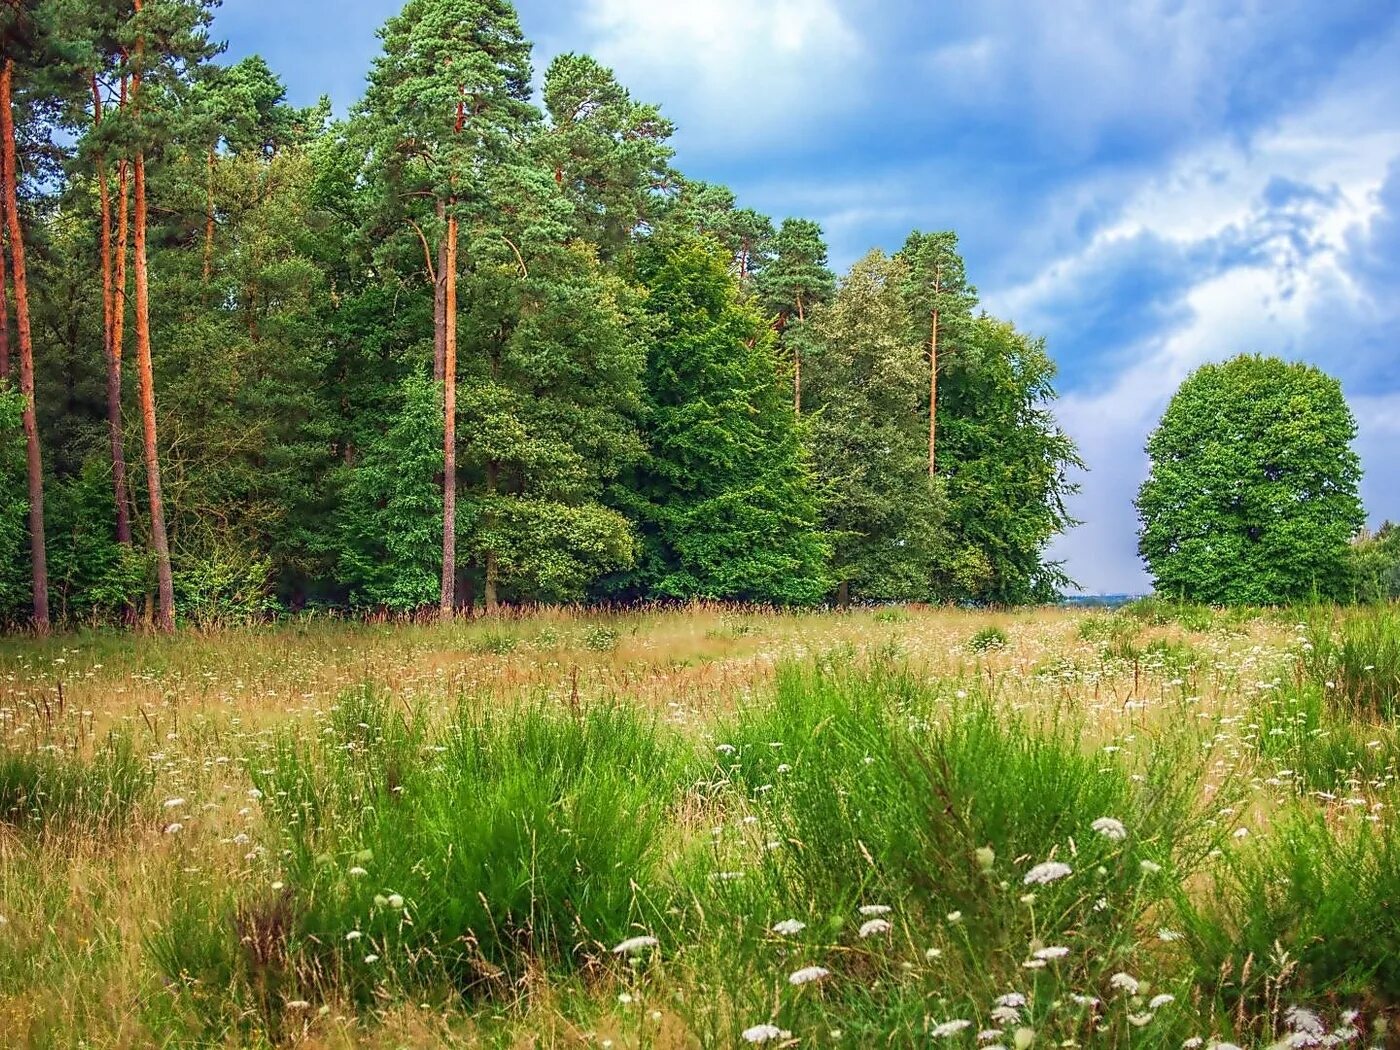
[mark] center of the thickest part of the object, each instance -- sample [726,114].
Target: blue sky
[1149,185]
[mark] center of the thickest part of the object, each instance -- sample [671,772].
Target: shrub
[988,638]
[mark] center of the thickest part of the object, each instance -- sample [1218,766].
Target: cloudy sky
[1149,185]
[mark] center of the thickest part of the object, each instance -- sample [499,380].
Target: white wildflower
[1055,951]
[1159,1001]
[807,975]
[1015,1000]
[1165,934]
[172,803]
[1110,828]
[1124,982]
[1005,1014]
[1149,867]
[371,958]
[175,828]
[633,945]
[789,927]
[358,872]
[875,909]
[395,901]
[947,1028]
[1049,871]
[762,1033]
[1140,1020]
[353,935]
[955,917]
[872,927]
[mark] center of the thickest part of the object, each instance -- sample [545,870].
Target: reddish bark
[33,457]
[449,429]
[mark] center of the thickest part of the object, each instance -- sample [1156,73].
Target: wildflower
[1055,951]
[947,1028]
[1034,964]
[875,909]
[1015,1000]
[358,872]
[762,1033]
[1049,871]
[1085,1000]
[1240,833]
[1140,1020]
[725,749]
[1192,1043]
[1224,1046]
[1149,867]
[874,926]
[955,917]
[174,829]
[1159,1001]
[807,975]
[633,945]
[371,958]
[789,927]
[1124,982]
[625,998]
[172,803]
[297,1004]
[395,901]
[1110,828]
[1005,1014]
[1304,1022]
[988,1034]
[933,953]
[986,857]
[353,935]
[1165,934]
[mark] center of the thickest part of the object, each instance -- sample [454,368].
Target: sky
[1147,185]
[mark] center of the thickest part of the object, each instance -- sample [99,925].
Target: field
[1162,826]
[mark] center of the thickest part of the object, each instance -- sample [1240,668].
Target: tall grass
[44,789]
[1356,659]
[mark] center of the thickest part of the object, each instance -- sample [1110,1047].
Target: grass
[1127,829]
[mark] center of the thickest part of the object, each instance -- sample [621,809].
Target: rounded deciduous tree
[1252,496]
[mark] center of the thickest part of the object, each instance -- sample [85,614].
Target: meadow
[1162,826]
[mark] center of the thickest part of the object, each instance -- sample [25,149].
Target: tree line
[464,348]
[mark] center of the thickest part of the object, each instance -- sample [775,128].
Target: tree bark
[4,301]
[111,354]
[449,427]
[440,306]
[160,544]
[114,387]
[933,395]
[33,458]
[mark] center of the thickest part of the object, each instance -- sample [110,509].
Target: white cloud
[730,71]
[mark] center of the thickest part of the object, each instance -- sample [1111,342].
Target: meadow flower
[988,1034]
[171,803]
[955,917]
[1140,1020]
[789,927]
[353,935]
[872,927]
[633,945]
[358,872]
[371,958]
[175,828]
[1055,951]
[1159,1001]
[1034,964]
[875,909]
[1149,867]
[1110,828]
[762,1033]
[1124,982]
[948,1028]
[1165,934]
[395,901]
[807,974]
[1047,872]
[986,857]
[298,1004]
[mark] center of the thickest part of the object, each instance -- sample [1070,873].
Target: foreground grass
[705,828]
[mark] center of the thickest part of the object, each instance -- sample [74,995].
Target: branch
[427,252]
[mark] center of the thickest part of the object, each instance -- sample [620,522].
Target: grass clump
[931,851]
[1357,661]
[43,788]
[455,861]
[987,639]
[1312,744]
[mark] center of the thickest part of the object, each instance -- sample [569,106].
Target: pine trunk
[114,375]
[165,612]
[933,394]
[797,367]
[440,307]
[111,357]
[490,600]
[449,427]
[4,302]
[33,458]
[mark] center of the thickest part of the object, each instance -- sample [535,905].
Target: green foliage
[466,857]
[884,514]
[1375,565]
[391,508]
[988,638]
[14,507]
[1252,494]
[724,502]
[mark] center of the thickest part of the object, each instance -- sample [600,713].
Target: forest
[476,343]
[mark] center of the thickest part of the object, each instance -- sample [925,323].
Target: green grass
[44,789]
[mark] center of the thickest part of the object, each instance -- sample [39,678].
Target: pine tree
[448,99]
[796,280]
[9,175]
[608,153]
[883,512]
[937,292]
